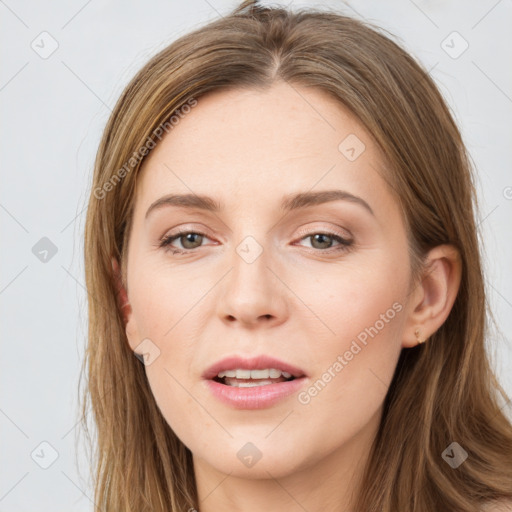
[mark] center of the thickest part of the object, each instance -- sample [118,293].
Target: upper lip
[260,362]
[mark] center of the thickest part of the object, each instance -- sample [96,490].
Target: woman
[282,230]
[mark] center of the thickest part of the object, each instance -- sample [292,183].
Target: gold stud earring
[417,333]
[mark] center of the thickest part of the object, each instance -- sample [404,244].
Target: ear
[122,296]
[124,304]
[434,295]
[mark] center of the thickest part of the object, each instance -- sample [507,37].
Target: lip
[257,397]
[260,362]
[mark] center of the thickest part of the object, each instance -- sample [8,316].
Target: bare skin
[304,299]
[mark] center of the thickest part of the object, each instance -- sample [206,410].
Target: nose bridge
[252,292]
[250,261]
[252,251]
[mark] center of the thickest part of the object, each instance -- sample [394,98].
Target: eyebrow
[289,203]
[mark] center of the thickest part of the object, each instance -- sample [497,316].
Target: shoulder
[498,506]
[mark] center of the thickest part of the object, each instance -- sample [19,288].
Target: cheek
[355,339]
[360,300]
[163,300]
[165,310]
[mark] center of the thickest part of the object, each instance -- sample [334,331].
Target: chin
[256,459]
[264,468]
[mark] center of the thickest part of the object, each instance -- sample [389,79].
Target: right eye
[188,237]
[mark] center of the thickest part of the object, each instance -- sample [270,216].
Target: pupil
[188,239]
[322,235]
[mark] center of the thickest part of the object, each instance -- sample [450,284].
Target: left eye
[320,238]
[191,240]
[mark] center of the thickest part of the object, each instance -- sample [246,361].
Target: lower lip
[257,397]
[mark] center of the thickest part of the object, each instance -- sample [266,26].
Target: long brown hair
[443,391]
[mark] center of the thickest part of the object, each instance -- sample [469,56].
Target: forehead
[258,145]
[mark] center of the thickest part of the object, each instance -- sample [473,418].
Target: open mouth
[256,382]
[242,378]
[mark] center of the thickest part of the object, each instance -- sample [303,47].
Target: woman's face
[320,286]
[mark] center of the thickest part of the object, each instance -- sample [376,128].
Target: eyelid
[187,228]
[334,230]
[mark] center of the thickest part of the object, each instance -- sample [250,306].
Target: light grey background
[53,112]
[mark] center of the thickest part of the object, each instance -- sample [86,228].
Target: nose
[253,294]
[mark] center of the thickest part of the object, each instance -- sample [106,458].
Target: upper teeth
[271,373]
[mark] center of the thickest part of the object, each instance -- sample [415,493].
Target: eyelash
[345,245]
